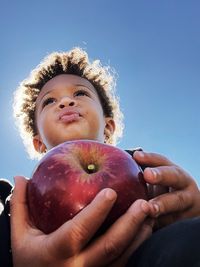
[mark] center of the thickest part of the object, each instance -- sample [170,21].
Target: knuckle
[182,176]
[111,249]
[182,200]
[178,171]
[134,220]
[79,232]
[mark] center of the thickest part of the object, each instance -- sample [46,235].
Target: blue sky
[154,48]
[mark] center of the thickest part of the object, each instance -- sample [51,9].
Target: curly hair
[74,62]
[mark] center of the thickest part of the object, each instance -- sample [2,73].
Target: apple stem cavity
[91,168]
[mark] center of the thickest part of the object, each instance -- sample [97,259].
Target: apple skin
[61,185]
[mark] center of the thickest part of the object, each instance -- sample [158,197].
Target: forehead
[63,81]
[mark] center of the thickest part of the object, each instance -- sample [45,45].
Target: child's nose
[66,101]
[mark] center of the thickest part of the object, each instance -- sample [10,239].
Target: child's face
[68,108]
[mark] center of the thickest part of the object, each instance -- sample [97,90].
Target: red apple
[70,175]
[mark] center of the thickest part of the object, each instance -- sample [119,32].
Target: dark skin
[180,196]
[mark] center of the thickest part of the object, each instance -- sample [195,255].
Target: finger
[18,207]
[151,159]
[144,233]
[156,190]
[168,219]
[170,176]
[175,201]
[71,237]
[120,235]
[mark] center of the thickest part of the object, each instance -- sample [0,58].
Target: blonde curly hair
[74,62]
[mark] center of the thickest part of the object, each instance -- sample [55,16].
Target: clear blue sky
[154,47]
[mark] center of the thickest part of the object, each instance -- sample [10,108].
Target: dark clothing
[176,245]
[5,248]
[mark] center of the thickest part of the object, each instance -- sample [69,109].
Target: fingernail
[156,209]
[110,194]
[154,173]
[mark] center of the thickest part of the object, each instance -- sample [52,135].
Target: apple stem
[91,168]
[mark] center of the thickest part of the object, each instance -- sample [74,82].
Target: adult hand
[72,244]
[173,191]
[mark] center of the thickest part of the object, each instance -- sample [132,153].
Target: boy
[68,98]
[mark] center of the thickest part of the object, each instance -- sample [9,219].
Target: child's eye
[48,101]
[81,92]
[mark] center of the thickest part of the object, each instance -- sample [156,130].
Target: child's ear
[109,127]
[38,144]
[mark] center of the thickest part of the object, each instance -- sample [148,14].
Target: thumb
[18,206]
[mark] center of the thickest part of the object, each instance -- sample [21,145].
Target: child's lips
[69,117]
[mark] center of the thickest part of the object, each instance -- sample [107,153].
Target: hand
[72,245]
[173,191]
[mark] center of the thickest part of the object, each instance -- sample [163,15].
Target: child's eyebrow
[40,98]
[94,91]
